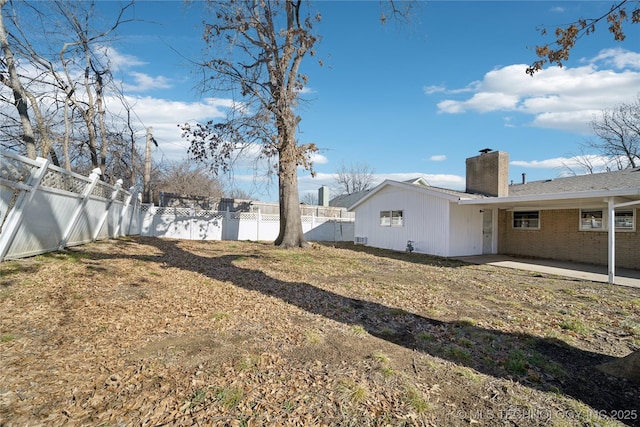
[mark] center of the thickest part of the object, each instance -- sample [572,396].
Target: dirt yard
[151,332]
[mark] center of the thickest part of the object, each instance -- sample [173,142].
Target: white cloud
[559,98]
[144,82]
[120,60]
[618,58]
[319,159]
[438,158]
[570,165]
[434,89]
[308,184]
[541,164]
[164,116]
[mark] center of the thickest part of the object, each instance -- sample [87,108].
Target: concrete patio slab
[594,273]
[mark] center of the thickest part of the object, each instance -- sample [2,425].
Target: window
[391,218]
[591,220]
[596,219]
[526,219]
[624,220]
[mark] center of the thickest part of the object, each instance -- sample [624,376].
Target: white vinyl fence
[185,223]
[45,208]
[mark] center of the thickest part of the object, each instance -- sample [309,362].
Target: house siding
[425,221]
[466,233]
[559,238]
[435,225]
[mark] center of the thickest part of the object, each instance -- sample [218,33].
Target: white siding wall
[466,230]
[426,221]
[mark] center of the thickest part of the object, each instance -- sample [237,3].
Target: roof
[583,190]
[617,180]
[559,192]
[418,186]
[346,200]
[418,181]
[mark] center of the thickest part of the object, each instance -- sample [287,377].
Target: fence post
[125,206]
[14,217]
[258,219]
[192,224]
[135,194]
[105,215]
[93,179]
[226,224]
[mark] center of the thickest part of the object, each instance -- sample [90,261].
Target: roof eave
[591,194]
[407,186]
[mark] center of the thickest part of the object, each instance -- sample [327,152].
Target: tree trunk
[103,127]
[45,141]
[291,235]
[18,91]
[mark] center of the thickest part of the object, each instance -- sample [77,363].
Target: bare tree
[76,70]
[266,42]
[185,178]
[618,133]
[310,199]
[19,93]
[586,162]
[259,47]
[355,178]
[90,103]
[567,37]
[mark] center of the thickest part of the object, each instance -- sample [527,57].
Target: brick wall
[488,174]
[559,238]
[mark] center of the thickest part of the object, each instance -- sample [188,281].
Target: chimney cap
[485,150]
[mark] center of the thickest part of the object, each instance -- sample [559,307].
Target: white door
[487,231]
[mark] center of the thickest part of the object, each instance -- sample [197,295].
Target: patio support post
[611,262]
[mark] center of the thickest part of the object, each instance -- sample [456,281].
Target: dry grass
[143,331]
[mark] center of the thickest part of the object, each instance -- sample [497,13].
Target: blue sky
[409,101]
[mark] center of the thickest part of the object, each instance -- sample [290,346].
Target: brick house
[589,218]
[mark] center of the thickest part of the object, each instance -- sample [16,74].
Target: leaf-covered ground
[151,332]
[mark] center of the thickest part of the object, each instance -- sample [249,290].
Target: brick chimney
[488,173]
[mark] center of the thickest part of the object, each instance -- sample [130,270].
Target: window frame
[583,226]
[633,220]
[392,218]
[587,224]
[528,220]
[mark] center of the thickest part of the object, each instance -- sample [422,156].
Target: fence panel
[184,223]
[44,208]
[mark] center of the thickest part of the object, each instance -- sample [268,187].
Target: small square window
[526,219]
[624,220]
[391,218]
[591,220]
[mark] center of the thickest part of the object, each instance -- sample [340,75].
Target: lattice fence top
[246,216]
[15,170]
[61,181]
[270,218]
[182,212]
[102,190]
[122,196]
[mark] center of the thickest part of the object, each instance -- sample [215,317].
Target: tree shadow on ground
[541,363]
[413,257]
